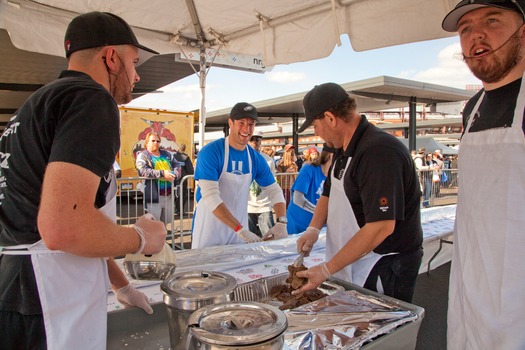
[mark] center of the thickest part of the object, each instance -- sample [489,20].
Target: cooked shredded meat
[283,293]
[295,281]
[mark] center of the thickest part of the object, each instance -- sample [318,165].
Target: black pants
[260,223]
[22,332]
[398,274]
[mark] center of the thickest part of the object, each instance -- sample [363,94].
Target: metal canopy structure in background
[372,95]
[23,72]
[280,32]
[430,145]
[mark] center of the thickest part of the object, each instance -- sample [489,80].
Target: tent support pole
[412,124]
[295,127]
[202,84]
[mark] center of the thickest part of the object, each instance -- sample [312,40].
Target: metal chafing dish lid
[237,323]
[194,285]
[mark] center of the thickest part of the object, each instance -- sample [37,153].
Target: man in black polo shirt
[57,196]
[370,201]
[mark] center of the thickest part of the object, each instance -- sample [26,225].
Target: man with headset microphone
[487,281]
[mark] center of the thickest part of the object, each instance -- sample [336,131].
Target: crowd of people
[435,172]
[57,210]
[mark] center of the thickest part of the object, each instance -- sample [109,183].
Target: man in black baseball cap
[68,133]
[370,202]
[96,29]
[319,99]
[225,171]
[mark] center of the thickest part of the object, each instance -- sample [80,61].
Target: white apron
[208,230]
[73,293]
[487,280]
[341,226]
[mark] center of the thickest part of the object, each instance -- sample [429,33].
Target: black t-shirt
[496,110]
[73,120]
[381,183]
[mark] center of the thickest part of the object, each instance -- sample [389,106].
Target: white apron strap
[21,249]
[341,227]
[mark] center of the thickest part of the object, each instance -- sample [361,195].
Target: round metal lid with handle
[197,287]
[237,323]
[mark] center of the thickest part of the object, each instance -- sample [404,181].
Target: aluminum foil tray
[348,318]
[259,290]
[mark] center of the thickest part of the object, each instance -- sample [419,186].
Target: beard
[121,88]
[495,66]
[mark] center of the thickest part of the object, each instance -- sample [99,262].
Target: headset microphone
[131,85]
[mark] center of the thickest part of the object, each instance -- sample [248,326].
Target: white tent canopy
[272,31]
[281,31]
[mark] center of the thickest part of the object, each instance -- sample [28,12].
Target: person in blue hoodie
[306,191]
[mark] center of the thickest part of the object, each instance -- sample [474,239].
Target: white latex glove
[278,231]
[316,275]
[248,236]
[306,241]
[129,296]
[153,234]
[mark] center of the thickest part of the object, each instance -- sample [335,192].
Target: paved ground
[432,295]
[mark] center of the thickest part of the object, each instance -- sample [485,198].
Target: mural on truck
[168,139]
[174,128]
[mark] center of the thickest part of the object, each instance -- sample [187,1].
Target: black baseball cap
[450,22]
[244,110]
[319,99]
[95,29]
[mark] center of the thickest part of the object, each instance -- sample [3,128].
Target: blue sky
[435,61]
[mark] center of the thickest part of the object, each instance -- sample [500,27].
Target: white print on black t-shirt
[10,130]
[4,164]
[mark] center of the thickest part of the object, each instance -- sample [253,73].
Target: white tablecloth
[249,262]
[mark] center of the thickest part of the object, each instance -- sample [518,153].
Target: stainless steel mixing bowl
[149,270]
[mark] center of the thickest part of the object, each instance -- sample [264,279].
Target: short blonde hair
[150,134]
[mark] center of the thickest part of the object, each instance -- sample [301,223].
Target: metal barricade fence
[174,208]
[286,181]
[438,188]
[178,206]
[442,190]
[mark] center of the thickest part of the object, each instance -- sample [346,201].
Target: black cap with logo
[244,110]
